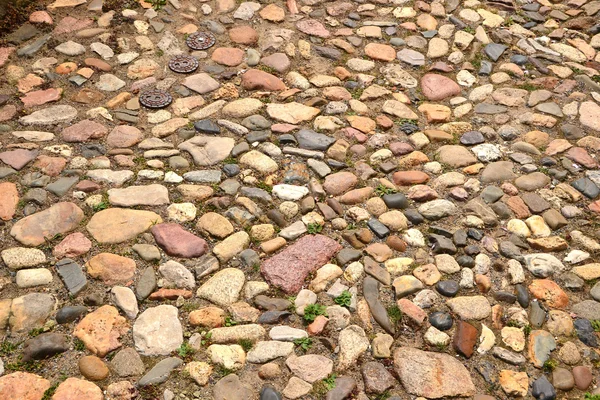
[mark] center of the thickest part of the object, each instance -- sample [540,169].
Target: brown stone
[88,96]
[465,338]
[228,56]
[244,34]
[100,330]
[272,13]
[23,386]
[255,79]
[583,377]
[35,229]
[93,368]
[83,131]
[381,52]
[406,178]
[209,317]
[288,269]
[51,166]
[111,268]
[550,292]
[9,199]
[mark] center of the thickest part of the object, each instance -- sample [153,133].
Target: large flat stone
[35,229]
[116,225]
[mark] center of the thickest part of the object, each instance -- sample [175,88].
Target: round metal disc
[200,40]
[184,64]
[155,98]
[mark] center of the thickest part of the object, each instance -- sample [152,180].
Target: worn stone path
[300,200]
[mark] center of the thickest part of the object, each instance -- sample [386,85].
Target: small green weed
[222,371]
[7,348]
[158,4]
[36,331]
[344,299]
[527,329]
[596,324]
[468,29]
[78,344]
[382,190]
[330,381]
[312,311]
[229,321]
[314,228]
[394,313]
[262,185]
[596,78]
[550,365]
[529,87]
[246,344]
[185,350]
[589,396]
[230,160]
[304,343]
[103,205]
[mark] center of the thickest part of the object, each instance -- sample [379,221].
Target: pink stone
[288,269]
[283,128]
[9,198]
[124,136]
[70,24]
[83,131]
[400,148]
[255,79]
[581,156]
[73,245]
[7,112]
[17,158]
[312,27]
[40,17]
[29,82]
[51,166]
[177,242]
[5,53]
[438,87]
[228,56]
[40,97]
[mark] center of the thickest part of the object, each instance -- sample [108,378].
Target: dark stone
[347,255]
[376,377]
[277,217]
[69,314]
[413,216]
[537,315]
[465,261]
[374,269]
[441,320]
[249,258]
[442,245]
[487,370]
[257,123]
[486,68]
[72,276]
[542,389]
[510,250]
[535,202]
[395,201]
[460,238]
[472,250]
[505,297]
[586,187]
[491,194]
[380,230]
[273,317]
[344,386]
[472,138]
[475,234]
[518,58]
[522,295]
[371,294]
[258,136]
[271,304]
[494,50]
[327,52]
[44,345]
[161,371]
[585,332]
[268,393]
[447,288]
[311,140]
[231,169]
[146,284]
[438,230]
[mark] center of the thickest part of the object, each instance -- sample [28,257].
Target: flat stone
[288,269]
[150,195]
[178,242]
[157,331]
[100,330]
[117,225]
[35,229]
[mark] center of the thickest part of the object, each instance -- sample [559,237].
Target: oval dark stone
[441,320]
[447,288]
[70,314]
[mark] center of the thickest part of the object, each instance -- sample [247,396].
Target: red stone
[243,35]
[70,24]
[438,87]
[583,377]
[51,166]
[465,338]
[170,294]
[228,56]
[581,156]
[255,79]
[9,198]
[550,292]
[178,242]
[7,112]
[17,158]
[87,186]
[40,97]
[124,136]
[83,131]
[412,311]
[288,269]
[40,17]
[73,245]
[5,53]
[405,178]
[401,148]
[98,64]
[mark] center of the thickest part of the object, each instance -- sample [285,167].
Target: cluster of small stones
[345,200]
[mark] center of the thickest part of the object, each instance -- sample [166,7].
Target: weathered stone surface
[117,225]
[37,228]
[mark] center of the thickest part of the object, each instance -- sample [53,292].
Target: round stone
[441,320]
[447,288]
